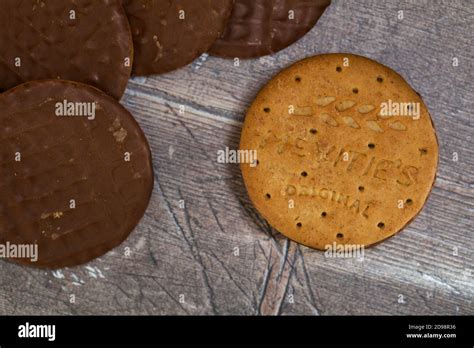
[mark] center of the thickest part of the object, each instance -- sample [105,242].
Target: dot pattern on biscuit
[336,165]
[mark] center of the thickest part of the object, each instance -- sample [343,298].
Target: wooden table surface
[217,255]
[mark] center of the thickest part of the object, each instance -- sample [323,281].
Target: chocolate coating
[65,160]
[88,41]
[262,27]
[171,34]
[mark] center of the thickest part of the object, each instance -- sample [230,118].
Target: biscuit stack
[77,169]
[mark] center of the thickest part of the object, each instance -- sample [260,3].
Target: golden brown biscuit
[337,162]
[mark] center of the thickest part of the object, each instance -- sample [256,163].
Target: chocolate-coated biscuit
[85,41]
[347,152]
[76,172]
[169,34]
[261,27]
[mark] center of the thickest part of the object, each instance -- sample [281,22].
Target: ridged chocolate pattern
[69,158]
[261,27]
[92,48]
[164,41]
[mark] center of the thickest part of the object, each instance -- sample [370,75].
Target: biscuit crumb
[303,111]
[120,135]
[115,125]
[364,109]
[351,122]
[397,125]
[329,120]
[374,126]
[325,101]
[345,105]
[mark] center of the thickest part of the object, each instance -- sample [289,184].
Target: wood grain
[183,260]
